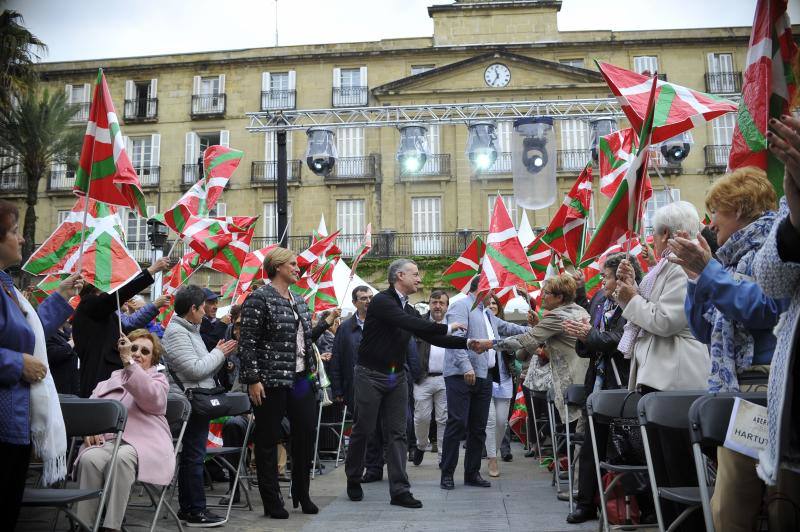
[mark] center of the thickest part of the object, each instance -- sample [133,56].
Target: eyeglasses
[145,351]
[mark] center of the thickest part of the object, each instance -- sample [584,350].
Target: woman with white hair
[665,355]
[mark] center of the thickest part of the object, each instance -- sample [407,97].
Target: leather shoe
[447,482]
[406,500]
[354,491]
[418,454]
[581,515]
[477,480]
[508,457]
[371,476]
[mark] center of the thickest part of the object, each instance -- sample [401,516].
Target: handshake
[479,346]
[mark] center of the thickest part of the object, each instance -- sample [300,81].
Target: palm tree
[19,50]
[36,131]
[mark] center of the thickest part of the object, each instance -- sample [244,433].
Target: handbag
[207,402]
[625,445]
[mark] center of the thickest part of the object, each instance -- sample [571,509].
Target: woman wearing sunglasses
[145,453]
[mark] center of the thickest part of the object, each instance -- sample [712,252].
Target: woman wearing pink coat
[145,453]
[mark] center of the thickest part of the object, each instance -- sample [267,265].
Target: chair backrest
[178,410]
[710,415]
[575,395]
[239,403]
[539,394]
[668,409]
[87,417]
[613,403]
[551,396]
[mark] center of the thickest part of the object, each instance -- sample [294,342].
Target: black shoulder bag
[207,402]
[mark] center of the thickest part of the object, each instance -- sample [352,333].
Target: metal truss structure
[447,113]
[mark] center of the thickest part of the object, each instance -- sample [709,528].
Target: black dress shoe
[354,491]
[418,454]
[406,500]
[276,512]
[371,476]
[308,506]
[477,480]
[581,515]
[447,482]
[508,457]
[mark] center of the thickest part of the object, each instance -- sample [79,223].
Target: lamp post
[157,234]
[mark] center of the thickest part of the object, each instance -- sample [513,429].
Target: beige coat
[667,356]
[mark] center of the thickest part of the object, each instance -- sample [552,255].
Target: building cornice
[508,4]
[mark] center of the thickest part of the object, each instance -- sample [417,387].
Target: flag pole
[79,267]
[119,313]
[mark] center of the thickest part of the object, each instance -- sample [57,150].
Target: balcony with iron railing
[266,172]
[350,96]
[436,165]
[716,158]
[208,105]
[190,173]
[502,165]
[723,82]
[149,176]
[61,180]
[141,110]
[367,167]
[12,183]
[573,160]
[278,100]
[81,111]
[657,160]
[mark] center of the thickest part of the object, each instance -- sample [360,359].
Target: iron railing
[350,96]
[716,158]
[278,100]
[502,165]
[190,174]
[61,180]
[436,164]
[12,182]
[348,167]
[208,104]
[267,171]
[148,175]
[141,109]
[81,111]
[573,160]
[723,82]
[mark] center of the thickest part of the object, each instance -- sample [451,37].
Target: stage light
[533,161]
[321,151]
[482,145]
[677,148]
[413,150]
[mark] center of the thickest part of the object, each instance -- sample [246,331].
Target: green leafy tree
[19,51]
[36,132]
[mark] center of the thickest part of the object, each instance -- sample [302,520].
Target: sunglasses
[145,351]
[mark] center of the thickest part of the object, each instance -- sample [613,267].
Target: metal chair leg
[316,445]
[341,436]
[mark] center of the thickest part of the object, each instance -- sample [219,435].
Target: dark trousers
[411,434]
[386,396]
[14,460]
[467,413]
[233,436]
[374,457]
[299,404]
[587,475]
[191,485]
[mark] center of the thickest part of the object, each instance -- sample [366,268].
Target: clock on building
[497,75]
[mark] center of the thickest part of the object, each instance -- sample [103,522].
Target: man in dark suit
[380,380]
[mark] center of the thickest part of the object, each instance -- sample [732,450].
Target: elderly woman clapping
[664,353]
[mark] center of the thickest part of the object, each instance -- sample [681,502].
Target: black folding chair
[539,421]
[668,410]
[240,405]
[575,397]
[336,427]
[555,438]
[709,417]
[83,417]
[604,407]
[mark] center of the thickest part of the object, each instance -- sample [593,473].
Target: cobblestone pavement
[522,499]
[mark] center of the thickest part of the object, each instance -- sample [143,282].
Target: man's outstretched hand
[479,346]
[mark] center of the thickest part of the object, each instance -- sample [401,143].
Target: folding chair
[551,416]
[240,405]
[575,396]
[603,407]
[83,417]
[538,419]
[708,424]
[668,410]
[338,430]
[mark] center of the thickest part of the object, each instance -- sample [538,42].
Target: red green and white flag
[252,269]
[322,250]
[230,259]
[363,250]
[208,236]
[706,219]
[105,172]
[767,89]
[538,257]
[615,155]
[593,272]
[180,273]
[519,416]
[466,266]
[505,263]
[47,286]
[565,234]
[677,108]
[107,262]
[626,208]
[316,288]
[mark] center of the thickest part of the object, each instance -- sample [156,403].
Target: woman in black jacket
[280,369]
[63,361]
[608,370]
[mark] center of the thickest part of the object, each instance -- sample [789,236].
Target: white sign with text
[747,429]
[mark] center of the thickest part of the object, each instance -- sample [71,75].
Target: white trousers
[430,395]
[496,425]
[92,471]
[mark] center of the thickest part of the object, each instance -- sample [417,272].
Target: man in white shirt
[429,392]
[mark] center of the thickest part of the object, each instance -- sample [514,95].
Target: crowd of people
[717,315]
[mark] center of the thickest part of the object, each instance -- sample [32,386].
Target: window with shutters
[576,138]
[350,87]
[144,154]
[419,69]
[62,216]
[278,90]
[436,163]
[61,177]
[721,77]
[511,207]
[721,136]
[645,64]
[135,228]
[267,170]
[141,100]
[196,144]
[271,221]
[426,225]
[502,164]
[577,62]
[79,96]
[350,222]
[350,145]
[208,95]
[11,176]
[660,198]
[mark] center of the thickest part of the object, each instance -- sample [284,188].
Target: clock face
[497,75]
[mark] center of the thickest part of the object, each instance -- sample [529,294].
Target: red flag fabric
[466,266]
[208,236]
[230,259]
[318,252]
[539,257]
[565,234]
[767,90]
[316,287]
[519,416]
[252,269]
[363,250]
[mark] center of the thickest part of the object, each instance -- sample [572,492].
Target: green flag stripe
[752,136]
[553,235]
[102,263]
[225,157]
[510,265]
[663,105]
[104,168]
[48,261]
[458,275]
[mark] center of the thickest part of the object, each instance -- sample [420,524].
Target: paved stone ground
[522,499]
